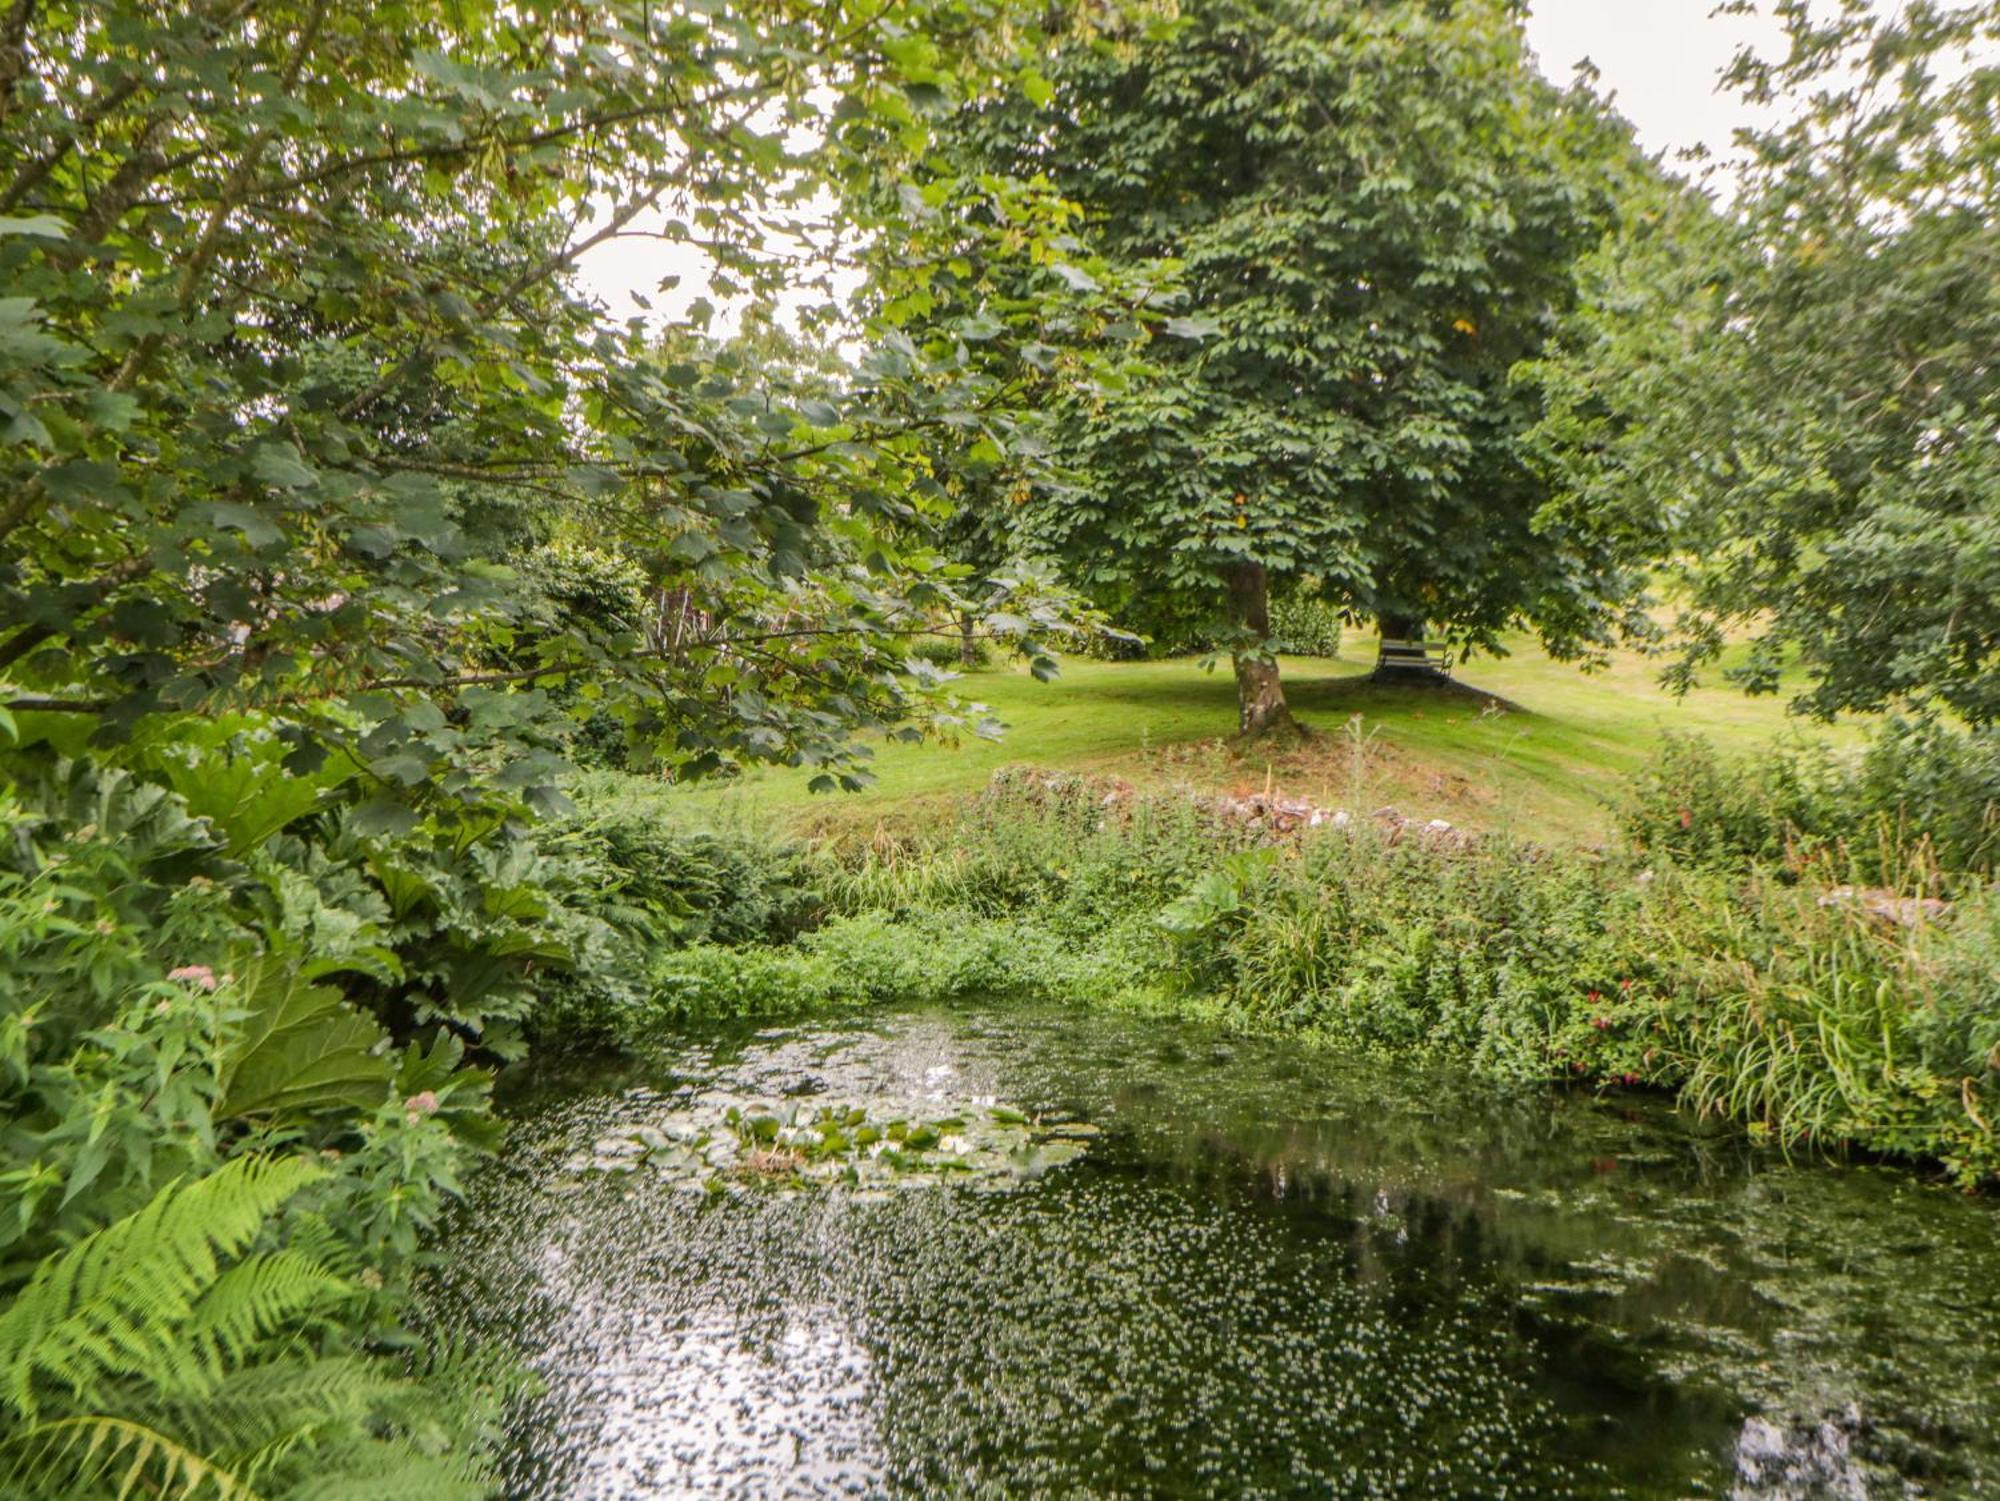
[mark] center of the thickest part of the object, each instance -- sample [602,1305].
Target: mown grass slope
[1540,748]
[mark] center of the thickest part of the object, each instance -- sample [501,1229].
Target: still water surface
[1270,1274]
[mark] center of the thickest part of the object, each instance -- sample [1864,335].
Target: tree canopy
[1799,395]
[287,308]
[1377,211]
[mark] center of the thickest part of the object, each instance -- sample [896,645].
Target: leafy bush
[182,1348]
[1817,1016]
[630,880]
[1305,625]
[875,960]
[1856,814]
[1689,805]
[949,652]
[1072,849]
[161,1025]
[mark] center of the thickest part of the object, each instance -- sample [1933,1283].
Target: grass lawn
[1546,763]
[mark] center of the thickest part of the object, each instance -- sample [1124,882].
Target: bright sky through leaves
[1660,57]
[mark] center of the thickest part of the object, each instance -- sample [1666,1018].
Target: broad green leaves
[292,369]
[299,1048]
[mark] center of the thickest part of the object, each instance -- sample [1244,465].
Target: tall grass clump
[1816,1015]
[1077,851]
[1495,956]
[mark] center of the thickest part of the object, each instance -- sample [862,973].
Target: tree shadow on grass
[1325,692]
[1364,694]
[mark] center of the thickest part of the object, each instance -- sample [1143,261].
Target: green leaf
[41,226]
[280,464]
[301,1050]
[383,817]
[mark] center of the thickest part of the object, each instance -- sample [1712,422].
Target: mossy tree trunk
[1260,697]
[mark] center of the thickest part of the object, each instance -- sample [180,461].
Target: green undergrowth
[1810,1012]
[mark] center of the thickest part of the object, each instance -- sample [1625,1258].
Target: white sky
[1659,59]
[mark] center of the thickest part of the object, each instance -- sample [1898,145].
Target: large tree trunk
[968,643]
[1403,628]
[1260,697]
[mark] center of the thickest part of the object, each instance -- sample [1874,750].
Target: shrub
[1807,1011]
[630,880]
[672,883]
[1690,805]
[163,1023]
[1916,785]
[1305,625]
[950,651]
[1814,1017]
[876,960]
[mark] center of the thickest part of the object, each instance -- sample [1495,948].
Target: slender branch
[226,203]
[32,173]
[41,704]
[288,187]
[549,266]
[142,166]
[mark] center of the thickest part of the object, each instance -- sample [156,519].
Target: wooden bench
[1418,656]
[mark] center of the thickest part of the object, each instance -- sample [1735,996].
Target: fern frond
[104,1455]
[395,1472]
[119,1303]
[258,1294]
[262,1415]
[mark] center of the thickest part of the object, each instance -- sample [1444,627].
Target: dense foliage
[292,321]
[333,519]
[1802,396]
[337,526]
[1919,804]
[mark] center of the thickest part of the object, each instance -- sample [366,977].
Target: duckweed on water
[1269,1275]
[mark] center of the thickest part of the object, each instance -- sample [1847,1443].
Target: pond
[1028,1252]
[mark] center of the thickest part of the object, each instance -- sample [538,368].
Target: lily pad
[725,1144]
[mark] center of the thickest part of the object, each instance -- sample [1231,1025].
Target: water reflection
[1272,1275]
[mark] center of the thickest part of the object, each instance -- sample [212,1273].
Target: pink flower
[1602,1023]
[417,1106]
[195,974]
